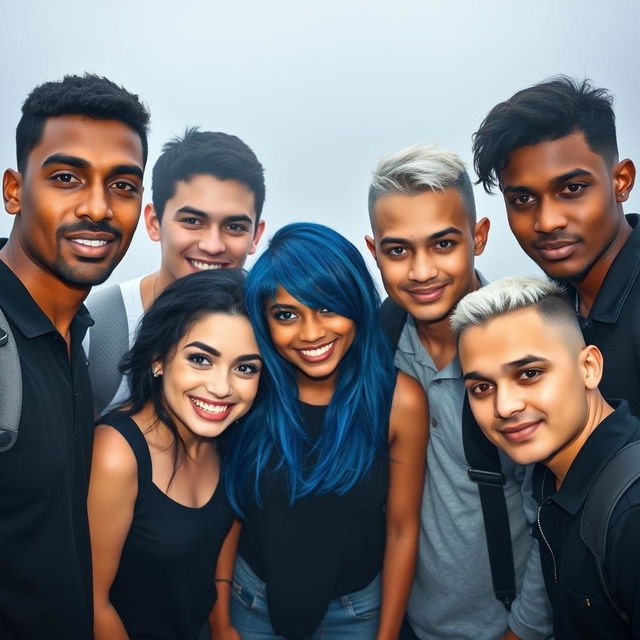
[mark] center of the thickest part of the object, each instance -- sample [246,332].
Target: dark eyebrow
[62,158]
[434,236]
[204,347]
[81,163]
[241,217]
[192,211]
[249,356]
[286,307]
[509,366]
[557,180]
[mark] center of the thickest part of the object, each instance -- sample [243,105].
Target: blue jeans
[354,616]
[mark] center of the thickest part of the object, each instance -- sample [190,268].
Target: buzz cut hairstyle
[512,294]
[421,168]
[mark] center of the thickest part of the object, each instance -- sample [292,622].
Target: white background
[321,90]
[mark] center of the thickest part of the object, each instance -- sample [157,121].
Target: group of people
[276,454]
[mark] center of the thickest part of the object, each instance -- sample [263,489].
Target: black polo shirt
[45,556]
[613,324]
[580,607]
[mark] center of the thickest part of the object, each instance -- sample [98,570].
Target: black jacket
[580,607]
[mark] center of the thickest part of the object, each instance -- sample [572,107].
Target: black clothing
[164,587]
[580,607]
[319,548]
[613,324]
[45,556]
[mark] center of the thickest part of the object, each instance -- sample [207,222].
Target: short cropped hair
[421,168]
[220,155]
[512,294]
[88,95]
[546,111]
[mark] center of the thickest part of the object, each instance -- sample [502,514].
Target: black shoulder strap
[614,480]
[485,469]
[10,386]
[109,341]
[392,321]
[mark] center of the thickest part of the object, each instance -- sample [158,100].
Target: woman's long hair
[321,269]
[162,327]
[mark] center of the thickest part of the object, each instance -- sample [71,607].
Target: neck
[438,339]
[58,300]
[589,285]
[560,463]
[318,391]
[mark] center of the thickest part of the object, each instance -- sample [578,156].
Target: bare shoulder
[408,396]
[112,454]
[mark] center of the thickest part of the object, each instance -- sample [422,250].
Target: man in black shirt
[76,196]
[533,388]
[552,151]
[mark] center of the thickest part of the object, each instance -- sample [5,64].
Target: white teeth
[313,353]
[89,243]
[211,408]
[204,265]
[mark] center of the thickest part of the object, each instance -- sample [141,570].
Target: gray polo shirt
[452,596]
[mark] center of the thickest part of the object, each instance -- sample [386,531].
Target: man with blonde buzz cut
[425,239]
[532,385]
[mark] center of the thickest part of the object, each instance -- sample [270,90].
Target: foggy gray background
[321,91]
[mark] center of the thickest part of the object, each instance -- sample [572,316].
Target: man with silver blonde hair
[425,239]
[532,385]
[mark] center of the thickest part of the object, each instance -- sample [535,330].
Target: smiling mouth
[520,432]
[208,410]
[90,247]
[427,294]
[204,266]
[319,353]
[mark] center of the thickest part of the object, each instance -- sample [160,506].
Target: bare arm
[408,440]
[220,620]
[112,494]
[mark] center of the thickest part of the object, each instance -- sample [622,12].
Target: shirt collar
[619,281]
[409,343]
[18,305]
[610,436]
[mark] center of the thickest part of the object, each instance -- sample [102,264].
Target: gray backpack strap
[108,343]
[612,483]
[10,387]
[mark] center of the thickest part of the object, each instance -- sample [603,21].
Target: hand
[509,635]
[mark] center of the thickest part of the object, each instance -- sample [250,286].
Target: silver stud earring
[156,372]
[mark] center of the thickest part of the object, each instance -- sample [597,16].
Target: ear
[371,245]
[591,363]
[256,237]
[152,223]
[480,235]
[624,175]
[12,191]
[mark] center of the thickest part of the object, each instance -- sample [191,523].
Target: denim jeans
[354,616]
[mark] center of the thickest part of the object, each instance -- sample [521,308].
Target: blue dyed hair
[321,269]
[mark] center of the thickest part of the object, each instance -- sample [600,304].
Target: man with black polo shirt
[552,151]
[76,196]
[532,385]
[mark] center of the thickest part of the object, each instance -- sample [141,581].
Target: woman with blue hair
[327,471]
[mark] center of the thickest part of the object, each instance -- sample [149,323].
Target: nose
[549,217]
[422,267]
[219,383]
[508,402]
[96,204]
[312,328]
[211,242]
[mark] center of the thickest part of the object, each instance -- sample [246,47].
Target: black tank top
[319,548]
[164,586]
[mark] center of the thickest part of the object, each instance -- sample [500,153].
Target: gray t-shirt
[452,596]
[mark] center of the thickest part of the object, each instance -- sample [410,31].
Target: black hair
[206,153]
[87,95]
[162,327]
[546,111]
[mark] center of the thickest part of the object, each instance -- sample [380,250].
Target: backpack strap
[10,386]
[109,342]
[618,475]
[392,320]
[485,469]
